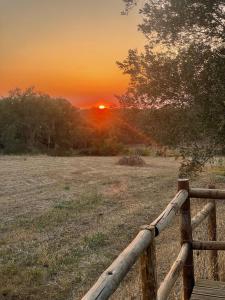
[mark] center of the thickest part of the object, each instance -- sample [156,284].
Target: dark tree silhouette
[183,66]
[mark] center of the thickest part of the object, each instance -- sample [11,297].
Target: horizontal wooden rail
[208,245]
[202,215]
[207,193]
[143,247]
[170,211]
[111,278]
[170,279]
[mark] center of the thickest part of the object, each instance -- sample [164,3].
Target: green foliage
[31,122]
[179,21]
[194,159]
[34,122]
[180,73]
[109,146]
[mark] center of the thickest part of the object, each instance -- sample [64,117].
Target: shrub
[132,160]
[106,147]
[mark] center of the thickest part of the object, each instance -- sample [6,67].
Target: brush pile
[132,160]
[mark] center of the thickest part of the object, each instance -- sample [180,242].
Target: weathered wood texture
[208,290]
[186,237]
[148,273]
[212,232]
[208,245]
[207,193]
[141,246]
[170,211]
[202,215]
[111,278]
[170,279]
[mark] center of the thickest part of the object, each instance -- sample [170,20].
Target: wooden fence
[143,247]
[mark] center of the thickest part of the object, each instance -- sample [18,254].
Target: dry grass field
[63,221]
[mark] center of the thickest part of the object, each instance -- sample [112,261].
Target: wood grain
[208,290]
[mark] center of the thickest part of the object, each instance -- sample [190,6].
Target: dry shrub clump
[132,160]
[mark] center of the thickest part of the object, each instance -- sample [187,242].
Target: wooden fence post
[186,237]
[212,232]
[148,272]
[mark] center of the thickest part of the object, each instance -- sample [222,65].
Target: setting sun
[101,106]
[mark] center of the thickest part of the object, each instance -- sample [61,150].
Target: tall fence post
[148,272]
[212,232]
[186,237]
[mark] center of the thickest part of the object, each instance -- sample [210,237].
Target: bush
[107,147]
[132,160]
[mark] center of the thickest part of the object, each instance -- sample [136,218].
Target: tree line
[32,122]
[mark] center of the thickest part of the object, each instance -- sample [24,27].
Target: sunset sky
[66,48]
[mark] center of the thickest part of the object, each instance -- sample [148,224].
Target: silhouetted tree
[182,65]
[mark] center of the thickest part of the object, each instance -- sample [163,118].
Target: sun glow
[102,106]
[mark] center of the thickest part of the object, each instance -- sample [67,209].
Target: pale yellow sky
[66,48]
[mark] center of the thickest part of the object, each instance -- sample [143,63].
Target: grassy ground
[63,220]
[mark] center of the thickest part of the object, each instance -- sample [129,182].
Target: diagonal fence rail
[143,247]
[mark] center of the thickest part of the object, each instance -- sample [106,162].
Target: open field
[63,220]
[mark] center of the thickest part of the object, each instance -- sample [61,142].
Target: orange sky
[66,48]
